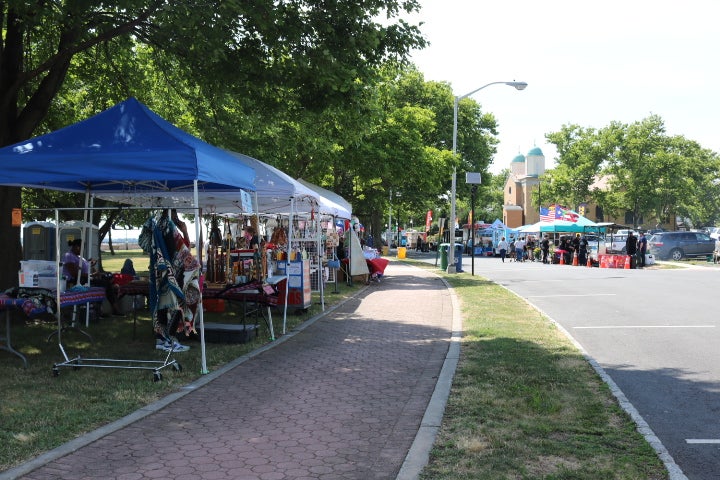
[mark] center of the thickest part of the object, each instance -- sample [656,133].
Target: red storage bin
[213,305]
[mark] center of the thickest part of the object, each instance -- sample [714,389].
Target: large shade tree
[320,52]
[649,177]
[401,156]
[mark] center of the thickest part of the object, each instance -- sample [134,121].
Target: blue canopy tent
[130,154]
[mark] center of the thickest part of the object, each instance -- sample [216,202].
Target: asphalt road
[653,331]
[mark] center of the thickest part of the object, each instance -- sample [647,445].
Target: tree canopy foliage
[646,173]
[61,61]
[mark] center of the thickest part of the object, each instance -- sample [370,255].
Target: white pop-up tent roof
[277,192]
[339,206]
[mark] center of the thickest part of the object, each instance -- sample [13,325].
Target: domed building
[525,172]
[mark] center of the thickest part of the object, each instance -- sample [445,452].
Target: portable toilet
[39,241]
[71,230]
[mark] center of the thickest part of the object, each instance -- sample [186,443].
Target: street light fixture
[451,268]
[474,179]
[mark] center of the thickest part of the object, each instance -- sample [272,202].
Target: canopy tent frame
[128,152]
[155,366]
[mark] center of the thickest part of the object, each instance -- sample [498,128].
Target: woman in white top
[503,247]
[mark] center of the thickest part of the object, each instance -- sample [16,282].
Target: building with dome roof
[524,179]
[525,172]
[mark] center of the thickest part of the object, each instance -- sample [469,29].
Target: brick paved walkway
[342,399]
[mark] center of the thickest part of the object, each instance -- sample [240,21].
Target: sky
[587,63]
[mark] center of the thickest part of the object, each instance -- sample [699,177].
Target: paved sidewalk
[341,399]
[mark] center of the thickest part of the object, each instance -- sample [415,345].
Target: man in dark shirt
[642,250]
[631,248]
[545,247]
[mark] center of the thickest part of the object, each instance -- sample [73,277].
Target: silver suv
[678,245]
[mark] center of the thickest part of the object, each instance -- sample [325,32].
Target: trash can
[444,247]
[401,252]
[458,257]
[385,250]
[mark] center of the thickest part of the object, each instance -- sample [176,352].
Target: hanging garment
[174,278]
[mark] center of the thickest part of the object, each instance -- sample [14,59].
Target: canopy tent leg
[198,249]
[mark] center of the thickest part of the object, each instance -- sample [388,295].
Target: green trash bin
[444,248]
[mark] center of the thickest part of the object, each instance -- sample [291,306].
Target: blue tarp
[126,148]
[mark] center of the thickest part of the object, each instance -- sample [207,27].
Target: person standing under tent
[251,238]
[545,247]
[583,250]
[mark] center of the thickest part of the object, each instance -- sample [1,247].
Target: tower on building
[524,179]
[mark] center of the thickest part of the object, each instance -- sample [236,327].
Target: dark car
[678,245]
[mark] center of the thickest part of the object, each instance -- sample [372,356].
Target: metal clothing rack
[155,366]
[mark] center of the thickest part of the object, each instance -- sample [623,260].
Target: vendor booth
[302,218]
[576,224]
[131,155]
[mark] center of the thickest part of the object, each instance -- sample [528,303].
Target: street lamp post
[474,179]
[389,225]
[451,253]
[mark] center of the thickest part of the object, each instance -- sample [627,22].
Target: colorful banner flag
[557,212]
[567,214]
[428,220]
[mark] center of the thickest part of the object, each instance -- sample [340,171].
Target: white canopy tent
[340,207]
[275,193]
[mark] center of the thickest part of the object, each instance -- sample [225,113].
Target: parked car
[616,243]
[713,232]
[596,245]
[678,245]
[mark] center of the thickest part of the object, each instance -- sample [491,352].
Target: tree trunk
[12,251]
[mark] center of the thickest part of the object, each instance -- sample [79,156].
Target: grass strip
[525,404]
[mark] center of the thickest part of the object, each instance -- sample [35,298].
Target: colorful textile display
[174,287]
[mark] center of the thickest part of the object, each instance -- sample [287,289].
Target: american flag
[545,215]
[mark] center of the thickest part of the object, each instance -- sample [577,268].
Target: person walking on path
[519,250]
[342,396]
[503,247]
